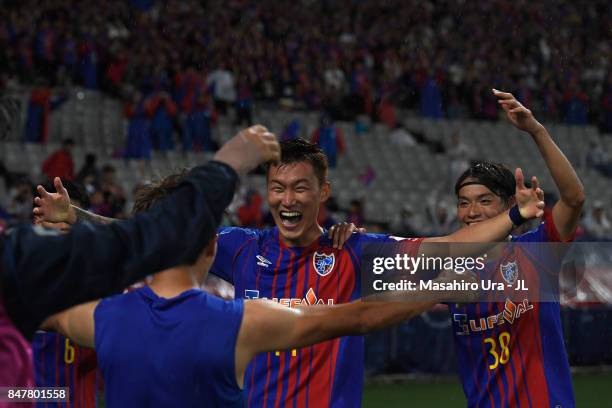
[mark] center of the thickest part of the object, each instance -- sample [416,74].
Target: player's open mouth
[290,218]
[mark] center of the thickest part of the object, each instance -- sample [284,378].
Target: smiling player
[517,358]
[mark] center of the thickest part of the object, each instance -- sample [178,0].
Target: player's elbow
[575,200]
[372,318]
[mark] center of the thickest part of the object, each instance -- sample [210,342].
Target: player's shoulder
[215,303]
[245,234]
[121,300]
[236,232]
[382,238]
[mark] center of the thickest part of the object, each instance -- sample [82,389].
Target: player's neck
[172,282]
[306,239]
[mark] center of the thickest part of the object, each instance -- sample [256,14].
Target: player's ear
[326,191]
[511,202]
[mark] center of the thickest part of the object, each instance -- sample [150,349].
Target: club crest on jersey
[323,263]
[509,272]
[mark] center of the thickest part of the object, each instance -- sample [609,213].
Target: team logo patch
[509,272]
[261,261]
[323,263]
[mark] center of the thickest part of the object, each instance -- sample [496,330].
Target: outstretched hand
[529,199]
[53,207]
[517,114]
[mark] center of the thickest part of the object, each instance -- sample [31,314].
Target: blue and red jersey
[58,362]
[511,353]
[260,265]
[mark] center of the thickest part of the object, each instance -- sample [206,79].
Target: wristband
[516,217]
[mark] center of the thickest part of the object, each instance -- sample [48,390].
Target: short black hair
[300,150]
[495,176]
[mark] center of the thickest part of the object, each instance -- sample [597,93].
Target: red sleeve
[551,229]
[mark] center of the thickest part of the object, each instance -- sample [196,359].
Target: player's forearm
[495,229]
[362,317]
[83,215]
[570,188]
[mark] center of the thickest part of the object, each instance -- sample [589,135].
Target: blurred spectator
[198,125]
[250,214]
[221,81]
[113,194]
[326,216]
[330,138]
[597,224]
[89,170]
[598,158]
[575,105]
[440,220]
[20,201]
[459,155]
[60,163]
[368,176]
[88,60]
[607,105]
[408,223]
[244,103]
[292,130]
[37,119]
[139,113]
[401,137]
[99,204]
[355,214]
[162,127]
[431,99]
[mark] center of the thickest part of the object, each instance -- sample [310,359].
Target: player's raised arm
[529,204]
[44,272]
[566,211]
[268,326]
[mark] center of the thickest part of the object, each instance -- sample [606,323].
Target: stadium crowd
[348,57]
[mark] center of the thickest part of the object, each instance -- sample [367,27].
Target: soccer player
[517,358]
[170,344]
[59,362]
[43,272]
[296,263]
